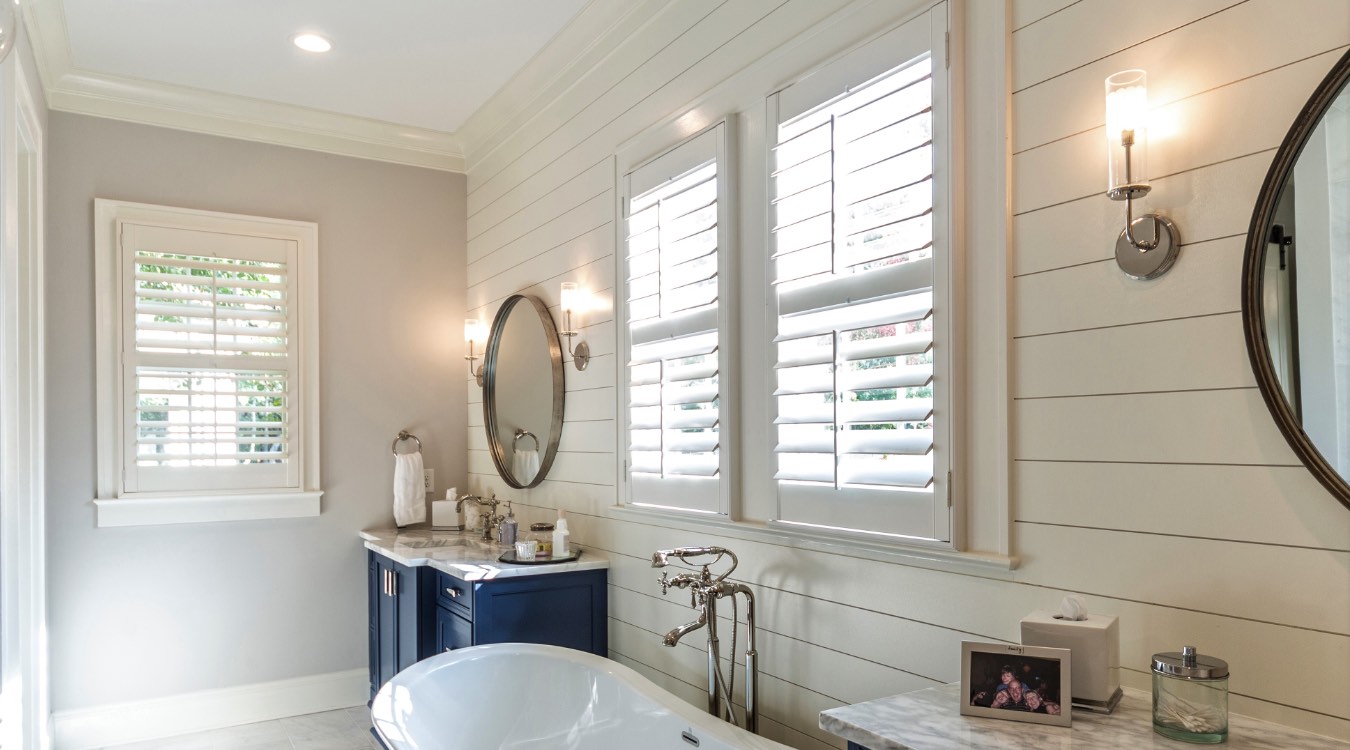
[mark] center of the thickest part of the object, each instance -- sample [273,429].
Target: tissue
[1094,641]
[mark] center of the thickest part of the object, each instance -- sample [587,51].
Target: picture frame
[1016,683]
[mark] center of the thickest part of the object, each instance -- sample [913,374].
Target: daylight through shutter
[672,282]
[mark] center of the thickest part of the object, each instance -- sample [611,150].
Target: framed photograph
[1019,683]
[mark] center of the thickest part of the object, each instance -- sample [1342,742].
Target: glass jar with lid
[1190,696]
[543,534]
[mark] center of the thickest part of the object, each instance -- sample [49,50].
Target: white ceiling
[400,72]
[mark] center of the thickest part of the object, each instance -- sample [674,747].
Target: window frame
[722,132]
[871,54]
[117,506]
[980,112]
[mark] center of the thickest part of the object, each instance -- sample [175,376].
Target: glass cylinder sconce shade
[1148,246]
[1127,133]
[573,299]
[475,332]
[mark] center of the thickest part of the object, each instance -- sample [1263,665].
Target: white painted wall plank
[1204,281]
[1096,28]
[1252,582]
[1258,36]
[1186,354]
[595,212]
[1027,12]
[1261,504]
[1212,427]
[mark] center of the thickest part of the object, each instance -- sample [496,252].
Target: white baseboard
[118,723]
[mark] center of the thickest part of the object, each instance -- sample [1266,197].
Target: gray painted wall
[137,613]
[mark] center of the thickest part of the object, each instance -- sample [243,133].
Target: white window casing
[673,270]
[860,261]
[207,366]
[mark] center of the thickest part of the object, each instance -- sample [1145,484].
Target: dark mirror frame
[1253,311]
[498,450]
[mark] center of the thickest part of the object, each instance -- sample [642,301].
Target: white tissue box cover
[1095,643]
[443,514]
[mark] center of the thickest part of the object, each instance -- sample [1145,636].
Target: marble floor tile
[342,729]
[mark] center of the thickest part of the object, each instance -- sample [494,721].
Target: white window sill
[934,557]
[169,509]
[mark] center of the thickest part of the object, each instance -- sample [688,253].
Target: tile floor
[344,729]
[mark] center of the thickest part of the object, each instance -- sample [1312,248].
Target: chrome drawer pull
[452,593]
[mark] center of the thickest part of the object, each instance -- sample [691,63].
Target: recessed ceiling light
[311,42]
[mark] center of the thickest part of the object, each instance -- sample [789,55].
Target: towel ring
[405,435]
[521,432]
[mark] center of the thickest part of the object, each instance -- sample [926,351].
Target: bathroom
[1111,437]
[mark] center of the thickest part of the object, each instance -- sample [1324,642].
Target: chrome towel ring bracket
[521,432]
[405,435]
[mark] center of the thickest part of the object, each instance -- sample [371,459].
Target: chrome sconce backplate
[1145,263]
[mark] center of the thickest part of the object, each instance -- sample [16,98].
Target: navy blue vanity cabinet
[418,612]
[400,624]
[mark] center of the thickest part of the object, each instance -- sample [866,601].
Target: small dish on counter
[510,556]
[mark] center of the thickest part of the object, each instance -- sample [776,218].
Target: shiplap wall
[1147,474]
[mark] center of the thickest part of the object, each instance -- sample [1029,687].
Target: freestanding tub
[518,696]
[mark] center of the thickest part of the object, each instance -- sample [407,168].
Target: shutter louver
[672,273]
[852,263]
[211,364]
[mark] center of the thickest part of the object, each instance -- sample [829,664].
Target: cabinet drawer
[452,631]
[454,594]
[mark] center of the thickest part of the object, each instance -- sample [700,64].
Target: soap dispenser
[562,538]
[509,528]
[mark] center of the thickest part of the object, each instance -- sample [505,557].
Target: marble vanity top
[464,556]
[929,720]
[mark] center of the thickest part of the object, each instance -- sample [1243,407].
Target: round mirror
[1296,285]
[523,391]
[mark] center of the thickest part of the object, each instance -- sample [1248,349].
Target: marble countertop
[930,720]
[463,555]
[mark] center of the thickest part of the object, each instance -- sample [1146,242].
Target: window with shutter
[859,263]
[207,379]
[674,250]
[210,364]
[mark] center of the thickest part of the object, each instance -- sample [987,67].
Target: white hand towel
[409,490]
[524,465]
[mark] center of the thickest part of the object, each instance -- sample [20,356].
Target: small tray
[509,556]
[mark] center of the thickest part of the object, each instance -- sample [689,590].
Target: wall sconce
[574,299]
[475,331]
[1149,244]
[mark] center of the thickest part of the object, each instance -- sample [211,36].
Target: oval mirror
[1296,285]
[523,391]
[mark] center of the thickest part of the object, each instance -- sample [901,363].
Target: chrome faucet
[704,591]
[491,519]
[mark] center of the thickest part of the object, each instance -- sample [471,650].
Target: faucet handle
[664,580]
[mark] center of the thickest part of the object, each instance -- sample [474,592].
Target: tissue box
[1095,643]
[444,516]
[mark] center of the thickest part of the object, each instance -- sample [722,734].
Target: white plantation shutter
[673,253]
[209,362]
[859,261]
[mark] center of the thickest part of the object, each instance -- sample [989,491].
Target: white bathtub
[521,696]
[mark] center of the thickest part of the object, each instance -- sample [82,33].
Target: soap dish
[509,556]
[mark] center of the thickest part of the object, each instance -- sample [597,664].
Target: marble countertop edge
[459,554]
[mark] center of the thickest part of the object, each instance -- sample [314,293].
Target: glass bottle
[543,534]
[1190,696]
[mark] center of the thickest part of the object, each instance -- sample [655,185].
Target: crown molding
[591,36]
[197,110]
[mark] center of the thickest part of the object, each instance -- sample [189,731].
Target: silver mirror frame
[1253,280]
[498,450]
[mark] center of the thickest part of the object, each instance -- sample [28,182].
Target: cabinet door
[385,606]
[452,631]
[559,609]
[408,628]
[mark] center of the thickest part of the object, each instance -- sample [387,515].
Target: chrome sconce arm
[1126,142]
